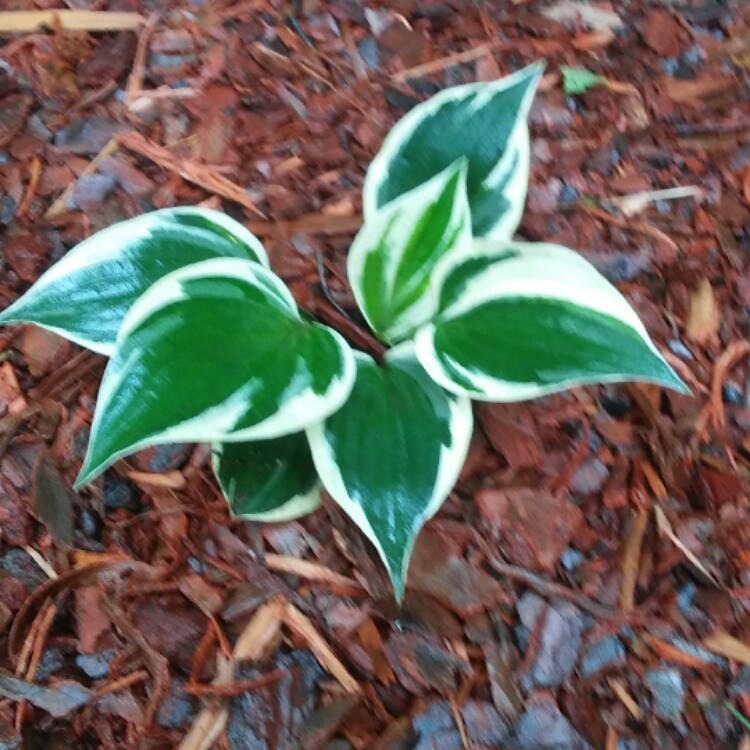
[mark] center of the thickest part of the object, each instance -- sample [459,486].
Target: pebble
[732,394]
[88,136]
[96,666]
[177,708]
[120,494]
[91,524]
[741,684]
[369,52]
[589,477]
[91,190]
[20,565]
[560,639]
[677,347]
[52,661]
[4,157]
[568,194]
[571,558]
[7,209]
[669,692]
[601,654]
[543,727]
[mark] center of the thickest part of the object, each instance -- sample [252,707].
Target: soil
[587,584]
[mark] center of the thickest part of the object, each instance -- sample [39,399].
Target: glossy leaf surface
[531,320]
[215,352]
[268,480]
[86,294]
[483,122]
[392,453]
[397,258]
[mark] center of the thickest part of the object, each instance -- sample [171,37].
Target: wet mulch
[587,584]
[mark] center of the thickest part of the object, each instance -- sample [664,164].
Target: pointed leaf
[86,294]
[392,453]
[215,352]
[402,250]
[268,480]
[484,122]
[533,320]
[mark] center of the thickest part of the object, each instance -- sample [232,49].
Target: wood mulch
[588,582]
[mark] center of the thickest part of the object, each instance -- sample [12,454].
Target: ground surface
[588,582]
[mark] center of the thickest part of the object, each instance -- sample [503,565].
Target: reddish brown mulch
[588,582]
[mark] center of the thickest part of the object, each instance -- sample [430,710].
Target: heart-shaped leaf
[215,352]
[86,294]
[397,258]
[532,320]
[268,480]
[392,453]
[484,122]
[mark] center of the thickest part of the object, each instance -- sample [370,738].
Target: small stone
[605,653]
[120,494]
[559,642]
[88,136]
[568,194]
[571,558]
[741,684]
[91,524]
[91,190]
[669,692]
[20,565]
[369,52]
[8,208]
[544,727]
[732,394]
[4,157]
[589,477]
[96,666]
[177,708]
[161,458]
[52,661]
[677,347]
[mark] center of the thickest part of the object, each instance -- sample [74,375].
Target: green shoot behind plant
[206,343]
[580,80]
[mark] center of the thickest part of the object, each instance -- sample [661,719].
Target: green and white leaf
[268,480]
[215,352]
[532,320]
[392,453]
[87,293]
[399,255]
[484,122]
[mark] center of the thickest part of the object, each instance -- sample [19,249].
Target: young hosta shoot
[206,344]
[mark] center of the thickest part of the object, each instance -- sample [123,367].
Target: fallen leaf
[703,317]
[53,501]
[727,645]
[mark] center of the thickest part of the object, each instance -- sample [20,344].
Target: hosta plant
[206,344]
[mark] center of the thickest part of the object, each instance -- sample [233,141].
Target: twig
[551,589]
[199,174]
[631,226]
[135,79]
[36,171]
[237,687]
[71,20]
[61,203]
[425,69]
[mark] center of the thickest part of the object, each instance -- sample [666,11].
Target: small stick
[21,21]
[135,79]
[551,589]
[425,69]
[235,688]
[122,682]
[36,171]
[61,203]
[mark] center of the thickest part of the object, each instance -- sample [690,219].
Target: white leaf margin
[216,423]
[518,147]
[295,507]
[541,270]
[404,213]
[106,244]
[452,459]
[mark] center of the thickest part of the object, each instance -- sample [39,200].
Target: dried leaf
[573,11]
